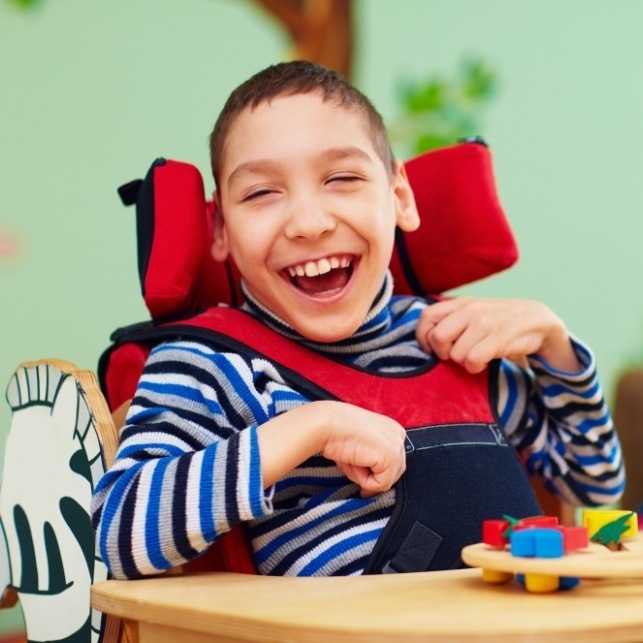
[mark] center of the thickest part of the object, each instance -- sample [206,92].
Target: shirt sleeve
[561,427]
[188,468]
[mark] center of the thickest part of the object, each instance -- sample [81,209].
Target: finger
[424,327]
[466,343]
[444,334]
[358,475]
[371,483]
[388,476]
[478,358]
[434,313]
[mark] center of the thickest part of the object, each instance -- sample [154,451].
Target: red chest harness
[460,468]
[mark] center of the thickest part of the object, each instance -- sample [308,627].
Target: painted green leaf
[512,523]
[436,111]
[612,531]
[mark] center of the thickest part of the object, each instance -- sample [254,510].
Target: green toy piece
[612,531]
[512,523]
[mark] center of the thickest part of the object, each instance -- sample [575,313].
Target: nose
[309,219]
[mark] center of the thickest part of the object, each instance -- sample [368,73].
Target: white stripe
[139,541]
[323,547]
[193,504]
[221,524]
[160,438]
[243,486]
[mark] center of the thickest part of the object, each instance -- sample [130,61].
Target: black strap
[129,191]
[417,551]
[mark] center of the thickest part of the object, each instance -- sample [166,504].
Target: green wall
[91,92]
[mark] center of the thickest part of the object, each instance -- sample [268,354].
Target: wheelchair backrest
[464,236]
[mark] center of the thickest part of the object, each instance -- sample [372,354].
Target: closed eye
[256,195]
[345,178]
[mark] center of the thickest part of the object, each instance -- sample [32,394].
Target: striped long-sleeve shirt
[188,466]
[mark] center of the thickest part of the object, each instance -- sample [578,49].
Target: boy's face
[309,212]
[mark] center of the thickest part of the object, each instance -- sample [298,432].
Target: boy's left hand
[473,331]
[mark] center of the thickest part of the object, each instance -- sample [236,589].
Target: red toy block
[574,537]
[538,521]
[492,533]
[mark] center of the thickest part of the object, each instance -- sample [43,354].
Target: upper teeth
[319,267]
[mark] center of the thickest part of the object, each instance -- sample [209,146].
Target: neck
[376,322]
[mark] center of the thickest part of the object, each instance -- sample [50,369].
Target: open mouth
[323,277]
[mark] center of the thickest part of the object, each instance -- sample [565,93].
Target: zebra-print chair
[60,442]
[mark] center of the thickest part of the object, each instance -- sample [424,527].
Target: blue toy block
[522,543]
[567,582]
[537,543]
[549,544]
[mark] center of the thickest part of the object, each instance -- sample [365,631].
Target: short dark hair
[287,79]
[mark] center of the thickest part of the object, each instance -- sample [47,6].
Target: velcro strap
[417,551]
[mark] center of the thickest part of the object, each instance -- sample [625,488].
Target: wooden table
[438,606]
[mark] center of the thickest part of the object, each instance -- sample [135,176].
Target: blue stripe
[559,447]
[584,356]
[256,492]
[181,391]
[512,393]
[287,395]
[378,320]
[309,481]
[152,534]
[338,549]
[163,447]
[397,363]
[545,460]
[112,505]
[263,554]
[534,459]
[242,390]
[587,460]
[206,491]
[602,491]
[554,390]
[110,477]
[283,518]
[588,424]
[194,348]
[145,414]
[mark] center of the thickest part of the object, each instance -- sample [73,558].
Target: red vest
[460,468]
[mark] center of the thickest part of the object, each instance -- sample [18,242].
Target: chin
[325,333]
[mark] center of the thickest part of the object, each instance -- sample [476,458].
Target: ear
[220,248]
[406,212]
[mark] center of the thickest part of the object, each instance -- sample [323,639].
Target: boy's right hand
[368,447]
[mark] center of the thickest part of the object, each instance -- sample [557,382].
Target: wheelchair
[65,420]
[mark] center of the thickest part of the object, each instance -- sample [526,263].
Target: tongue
[333,280]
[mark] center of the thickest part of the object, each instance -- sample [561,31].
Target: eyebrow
[340,153]
[260,166]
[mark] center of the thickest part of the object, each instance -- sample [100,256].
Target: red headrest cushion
[464,235]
